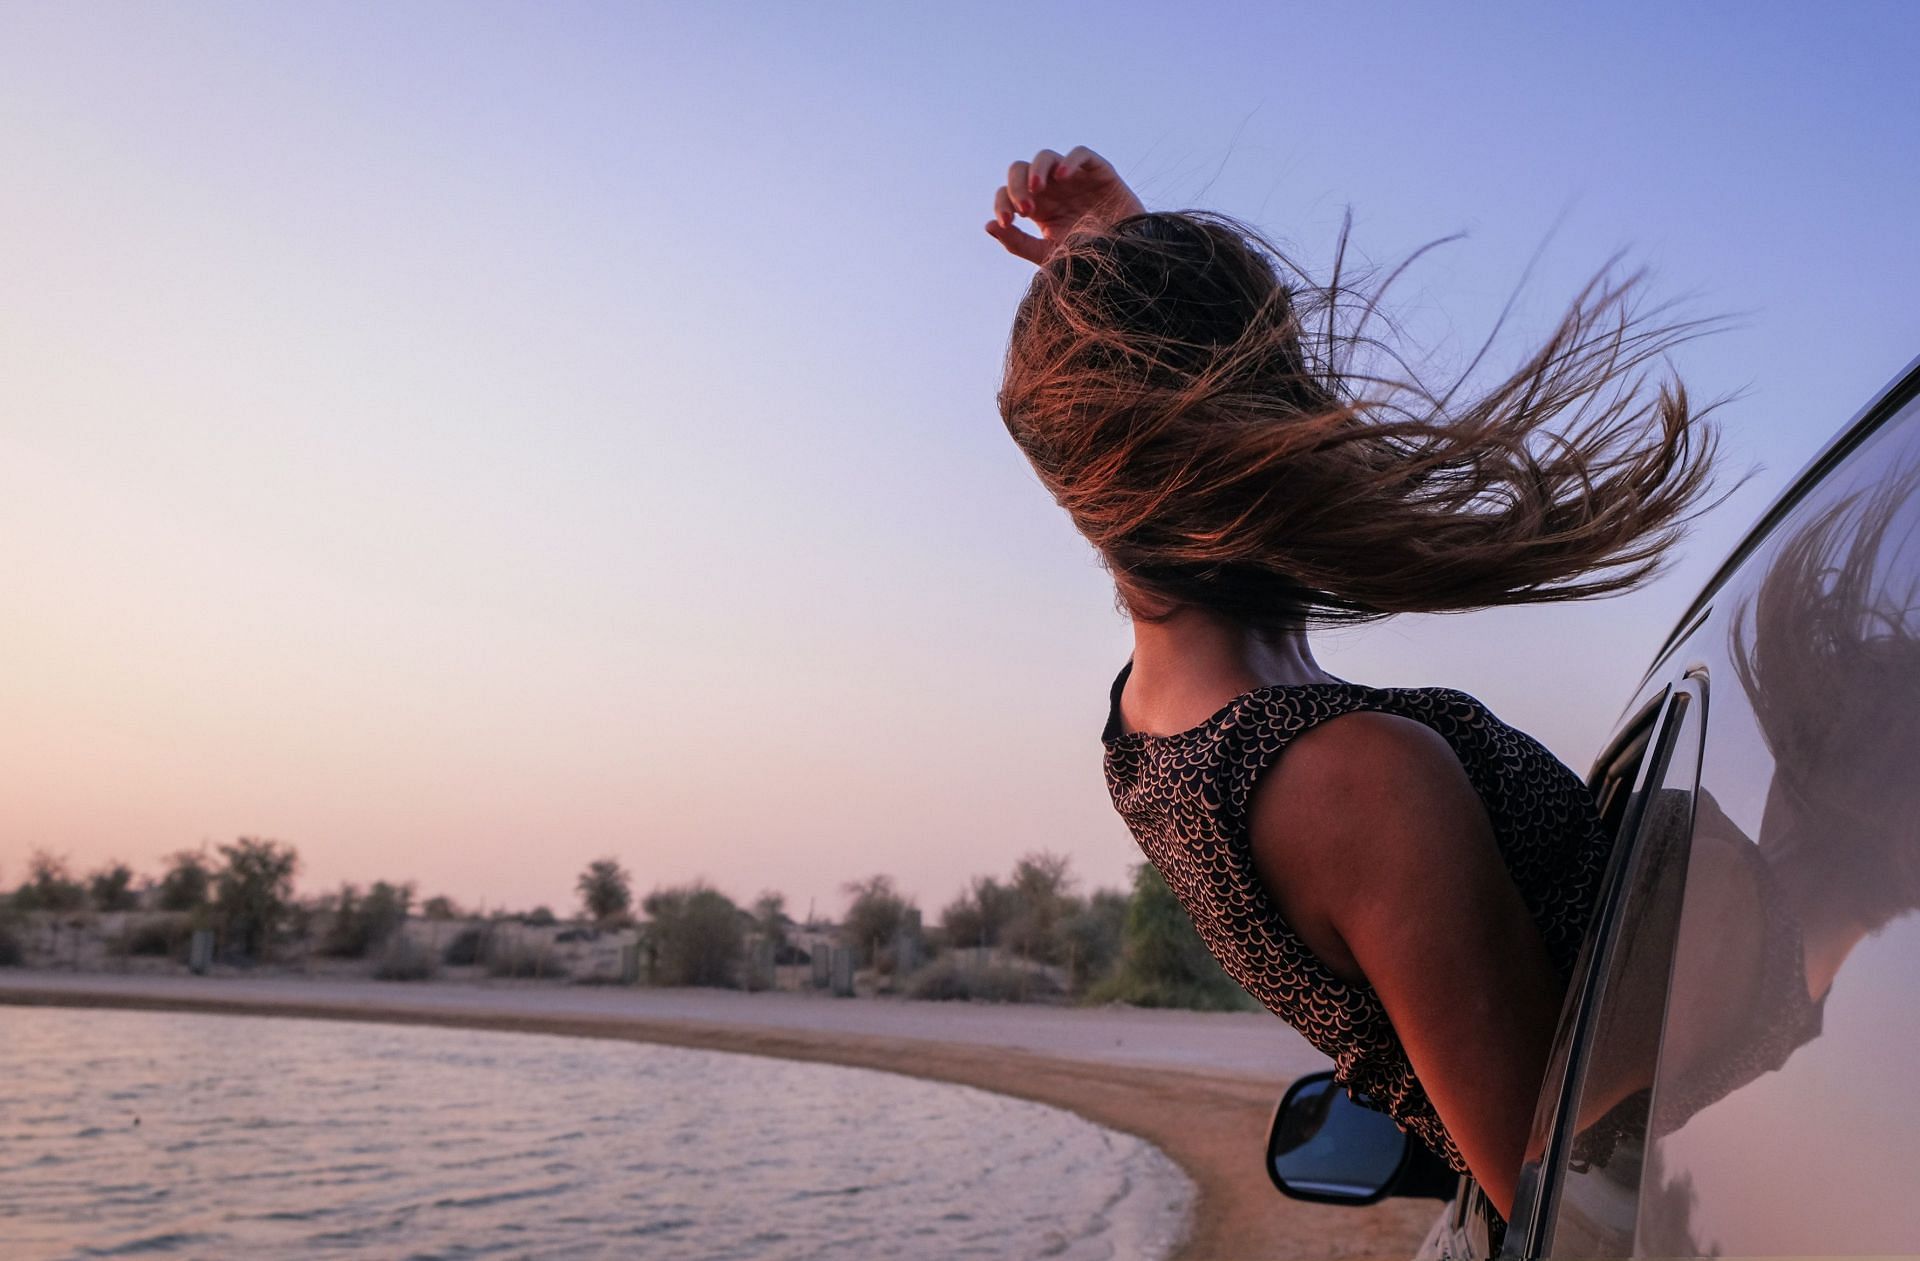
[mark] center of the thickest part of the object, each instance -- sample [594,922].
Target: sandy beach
[1199,1085]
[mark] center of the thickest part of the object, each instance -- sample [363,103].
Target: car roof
[1891,398]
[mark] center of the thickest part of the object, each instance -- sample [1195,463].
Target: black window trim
[1889,402]
[1530,1235]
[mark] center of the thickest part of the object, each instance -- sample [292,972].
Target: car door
[1786,1110]
[1731,1077]
[1579,1192]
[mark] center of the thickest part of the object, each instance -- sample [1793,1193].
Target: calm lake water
[147,1134]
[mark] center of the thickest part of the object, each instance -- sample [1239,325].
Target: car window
[1786,1113]
[1618,781]
[1598,1159]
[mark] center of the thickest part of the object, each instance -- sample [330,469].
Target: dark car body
[1737,1066]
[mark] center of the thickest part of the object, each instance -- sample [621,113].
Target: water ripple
[144,1134]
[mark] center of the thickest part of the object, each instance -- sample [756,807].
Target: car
[1734,1072]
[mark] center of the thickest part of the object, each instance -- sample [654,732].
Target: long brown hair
[1229,434]
[1828,653]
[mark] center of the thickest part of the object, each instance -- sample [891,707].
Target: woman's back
[1186,798]
[1251,459]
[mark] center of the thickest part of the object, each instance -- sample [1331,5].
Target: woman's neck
[1187,667]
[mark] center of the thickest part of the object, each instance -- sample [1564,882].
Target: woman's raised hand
[1080,190]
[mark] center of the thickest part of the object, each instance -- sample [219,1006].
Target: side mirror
[1326,1148]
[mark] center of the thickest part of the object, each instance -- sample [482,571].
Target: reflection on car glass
[1768,1012]
[1827,654]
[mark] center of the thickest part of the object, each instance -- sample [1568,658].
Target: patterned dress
[1185,799]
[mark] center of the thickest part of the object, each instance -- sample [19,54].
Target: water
[143,1134]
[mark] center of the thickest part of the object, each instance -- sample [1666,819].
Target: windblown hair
[1201,411]
[1828,653]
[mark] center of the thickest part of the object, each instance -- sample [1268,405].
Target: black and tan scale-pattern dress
[1185,796]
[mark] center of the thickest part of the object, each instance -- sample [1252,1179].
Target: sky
[464,441]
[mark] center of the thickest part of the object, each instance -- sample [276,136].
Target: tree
[874,918]
[362,922]
[440,907]
[695,934]
[1039,892]
[1095,931]
[49,886]
[1163,962]
[111,888]
[770,919]
[252,892]
[978,917]
[187,881]
[606,890]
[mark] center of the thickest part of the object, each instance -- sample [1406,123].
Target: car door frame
[1662,717]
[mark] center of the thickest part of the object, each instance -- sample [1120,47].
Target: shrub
[468,947]
[402,959]
[187,881]
[874,920]
[695,936]
[1030,913]
[979,916]
[1163,962]
[111,888]
[440,907]
[157,938]
[12,953]
[49,886]
[362,923]
[952,978]
[519,959]
[1040,897]
[1095,932]
[252,893]
[771,921]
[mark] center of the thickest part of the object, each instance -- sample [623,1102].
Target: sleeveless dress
[1185,798]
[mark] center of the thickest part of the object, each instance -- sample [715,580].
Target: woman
[1409,884]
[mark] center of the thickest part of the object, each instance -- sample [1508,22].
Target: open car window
[1619,783]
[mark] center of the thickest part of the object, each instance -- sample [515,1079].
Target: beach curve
[1199,1086]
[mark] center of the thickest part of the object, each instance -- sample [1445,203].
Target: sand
[1199,1085]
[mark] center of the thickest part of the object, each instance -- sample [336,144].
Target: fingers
[1025,192]
[1020,243]
[1019,188]
[1078,159]
[1003,208]
[1040,169]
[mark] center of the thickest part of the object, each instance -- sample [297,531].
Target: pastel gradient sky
[465,440]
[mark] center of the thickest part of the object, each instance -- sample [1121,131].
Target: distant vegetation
[1163,962]
[606,890]
[876,917]
[111,888]
[1027,936]
[361,922]
[1031,934]
[403,959]
[187,883]
[951,978]
[695,936]
[440,908]
[49,886]
[253,895]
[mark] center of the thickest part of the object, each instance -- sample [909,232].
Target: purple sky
[467,440]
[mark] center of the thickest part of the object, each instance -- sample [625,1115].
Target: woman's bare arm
[1374,845]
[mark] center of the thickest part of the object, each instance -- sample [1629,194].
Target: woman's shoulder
[1360,775]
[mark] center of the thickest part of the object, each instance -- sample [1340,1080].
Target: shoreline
[1207,1111]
